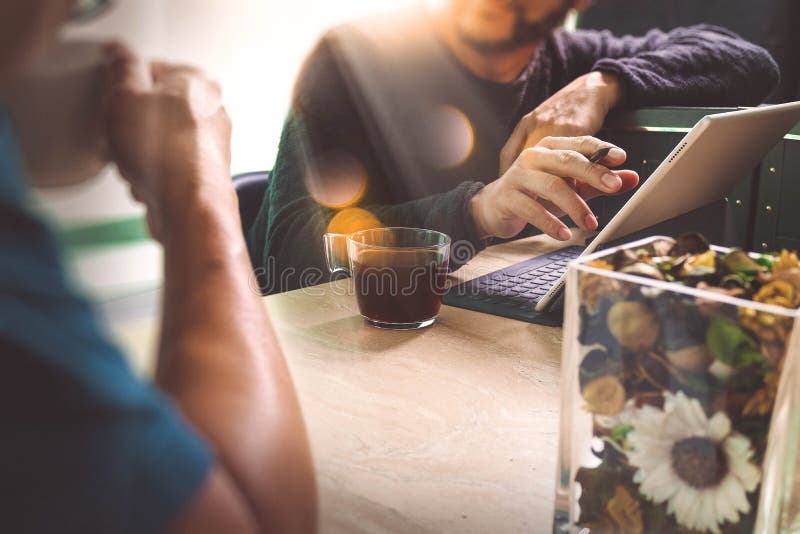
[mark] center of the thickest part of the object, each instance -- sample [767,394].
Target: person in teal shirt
[216,443]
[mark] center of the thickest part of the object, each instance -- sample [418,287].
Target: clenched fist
[169,135]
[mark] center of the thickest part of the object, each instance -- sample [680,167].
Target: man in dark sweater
[402,120]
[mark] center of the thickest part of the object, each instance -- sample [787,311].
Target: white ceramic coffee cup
[57,113]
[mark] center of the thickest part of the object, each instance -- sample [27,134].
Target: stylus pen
[599,155]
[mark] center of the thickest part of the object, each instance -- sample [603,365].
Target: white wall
[255,47]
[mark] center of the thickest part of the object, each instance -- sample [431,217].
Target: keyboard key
[517,289]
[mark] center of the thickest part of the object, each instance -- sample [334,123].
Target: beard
[524,32]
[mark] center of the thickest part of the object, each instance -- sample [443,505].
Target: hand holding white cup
[57,114]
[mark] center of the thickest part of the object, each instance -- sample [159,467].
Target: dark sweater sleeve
[695,66]
[325,121]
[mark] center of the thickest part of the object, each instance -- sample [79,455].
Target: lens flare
[336,180]
[351,220]
[447,138]
[348,221]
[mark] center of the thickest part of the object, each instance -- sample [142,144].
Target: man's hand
[580,108]
[545,182]
[169,135]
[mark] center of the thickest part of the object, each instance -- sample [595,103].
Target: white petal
[669,401]
[649,451]
[694,515]
[686,419]
[735,494]
[697,417]
[661,484]
[606,421]
[725,508]
[748,475]
[707,511]
[737,447]
[648,422]
[719,426]
[627,414]
[681,505]
[677,428]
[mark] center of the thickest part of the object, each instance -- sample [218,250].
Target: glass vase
[679,408]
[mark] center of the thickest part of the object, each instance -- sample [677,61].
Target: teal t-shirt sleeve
[80,458]
[86,446]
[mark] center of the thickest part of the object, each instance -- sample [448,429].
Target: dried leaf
[597,489]
[690,243]
[738,261]
[729,343]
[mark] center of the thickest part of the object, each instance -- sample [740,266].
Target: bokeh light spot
[447,137]
[336,180]
[351,220]
[348,221]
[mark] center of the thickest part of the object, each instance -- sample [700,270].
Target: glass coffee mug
[399,273]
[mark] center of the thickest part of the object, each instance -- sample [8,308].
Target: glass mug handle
[336,253]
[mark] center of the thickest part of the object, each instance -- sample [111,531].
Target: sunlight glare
[337,180]
[448,137]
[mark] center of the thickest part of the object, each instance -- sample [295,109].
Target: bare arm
[219,358]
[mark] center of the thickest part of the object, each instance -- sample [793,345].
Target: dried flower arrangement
[680,388]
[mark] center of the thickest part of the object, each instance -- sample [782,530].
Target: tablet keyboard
[514,291]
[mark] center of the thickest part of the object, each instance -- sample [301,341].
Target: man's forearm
[295,223]
[609,86]
[699,65]
[221,362]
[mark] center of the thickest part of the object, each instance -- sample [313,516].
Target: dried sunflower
[787,260]
[778,293]
[763,400]
[768,327]
[790,276]
[787,268]
[625,512]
